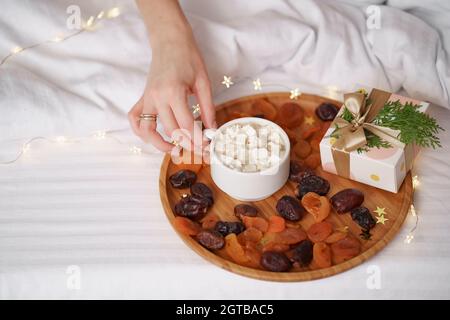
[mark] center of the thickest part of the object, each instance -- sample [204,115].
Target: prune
[318,206]
[303,253]
[346,200]
[211,239]
[192,207]
[313,184]
[255,222]
[275,261]
[183,179]
[289,208]
[227,227]
[186,226]
[362,216]
[202,190]
[297,172]
[244,209]
[318,232]
[327,111]
[322,255]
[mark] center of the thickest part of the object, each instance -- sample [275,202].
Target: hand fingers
[147,131]
[167,118]
[203,93]
[133,115]
[185,119]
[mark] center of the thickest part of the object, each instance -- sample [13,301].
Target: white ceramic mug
[250,186]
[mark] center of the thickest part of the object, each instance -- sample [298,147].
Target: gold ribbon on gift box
[351,134]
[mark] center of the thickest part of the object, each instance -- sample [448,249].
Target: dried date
[275,261]
[192,207]
[297,172]
[211,239]
[183,179]
[327,111]
[202,190]
[227,227]
[290,208]
[346,200]
[244,209]
[362,216]
[312,183]
[303,253]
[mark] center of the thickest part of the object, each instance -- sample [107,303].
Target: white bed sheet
[96,206]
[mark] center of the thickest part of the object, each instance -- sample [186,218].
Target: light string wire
[89,25]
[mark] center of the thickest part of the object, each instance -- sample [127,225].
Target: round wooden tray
[396,205]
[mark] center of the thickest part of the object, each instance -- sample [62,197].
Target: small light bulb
[409,238]
[26,148]
[16,49]
[413,210]
[135,150]
[58,38]
[415,181]
[100,14]
[257,85]
[61,139]
[113,13]
[99,135]
[196,108]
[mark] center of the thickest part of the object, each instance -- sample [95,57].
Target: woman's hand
[176,71]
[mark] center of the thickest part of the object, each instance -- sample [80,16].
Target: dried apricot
[336,236]
[313,160]
[290,236]
[309,132]
[253,257]
[315,144]
[273,246]
[264,107]
[291,135]
[255,222]
[290,115]
[318,232]
[276,224]
[317,205]
[250,235]
[302,149]
[322,255]
[234,249]
[186,226]
[345,249]
[210,220]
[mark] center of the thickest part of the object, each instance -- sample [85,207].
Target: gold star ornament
[380,211]
[309,120]
[381,219]
[227,81]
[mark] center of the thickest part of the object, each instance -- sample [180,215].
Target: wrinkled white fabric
[89,82]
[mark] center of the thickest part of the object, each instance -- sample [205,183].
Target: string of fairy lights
[91,25]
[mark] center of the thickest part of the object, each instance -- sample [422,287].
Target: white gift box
[384,168]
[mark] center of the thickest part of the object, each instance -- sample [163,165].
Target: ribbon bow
[351,134]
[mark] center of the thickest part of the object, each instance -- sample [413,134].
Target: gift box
[344,149]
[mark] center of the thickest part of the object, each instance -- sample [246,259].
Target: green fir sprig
[415,126]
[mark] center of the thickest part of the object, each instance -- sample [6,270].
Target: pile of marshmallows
[249,147]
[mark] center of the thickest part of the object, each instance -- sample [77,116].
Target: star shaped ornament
[380,211]
[309,120]
[257,85]
[227,81]
[295,93]
[381,219]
